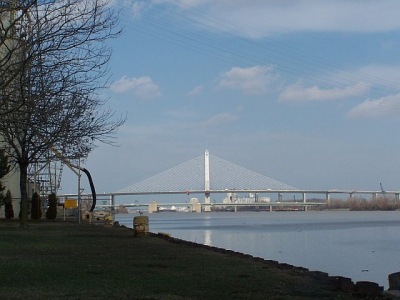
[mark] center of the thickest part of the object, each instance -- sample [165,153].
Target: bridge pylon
[207,181]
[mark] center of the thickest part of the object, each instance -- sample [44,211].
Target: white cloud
[297,92]
[263,18]
[137,8]
[142,87]
[219,119]
[197,90]
[252,81]
[378,75]
[386,106]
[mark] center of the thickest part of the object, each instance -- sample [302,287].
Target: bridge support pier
[305,201]
[112,202]
[280,197]
[328,200]
[207,201]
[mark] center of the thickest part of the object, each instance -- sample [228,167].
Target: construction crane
[382,188]
[383,192]
[46,176]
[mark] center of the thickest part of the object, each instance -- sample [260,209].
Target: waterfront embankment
[65,260]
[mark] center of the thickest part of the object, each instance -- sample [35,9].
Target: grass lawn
[64,260]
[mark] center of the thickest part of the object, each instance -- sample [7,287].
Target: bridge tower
[207,181]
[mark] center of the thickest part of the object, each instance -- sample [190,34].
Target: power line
[166,23]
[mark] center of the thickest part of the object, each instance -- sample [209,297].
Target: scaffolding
[45,176]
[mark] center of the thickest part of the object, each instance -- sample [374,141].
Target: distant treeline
[355,203]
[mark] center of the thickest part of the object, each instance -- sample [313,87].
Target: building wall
[11,181]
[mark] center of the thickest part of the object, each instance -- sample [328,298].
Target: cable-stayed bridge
[191,176]
[207,174]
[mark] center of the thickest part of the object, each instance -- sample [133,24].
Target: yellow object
[70,203]
[108,220]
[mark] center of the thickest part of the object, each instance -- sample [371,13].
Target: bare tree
[65,41]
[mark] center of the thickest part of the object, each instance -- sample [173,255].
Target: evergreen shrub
[51,212]
[8,207]
[36,211]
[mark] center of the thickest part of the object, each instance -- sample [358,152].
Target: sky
[306,92]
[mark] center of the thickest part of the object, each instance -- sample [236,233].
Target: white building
[11,181]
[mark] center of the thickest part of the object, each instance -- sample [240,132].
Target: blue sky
[305,92]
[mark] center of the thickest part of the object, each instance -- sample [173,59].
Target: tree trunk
[23,169]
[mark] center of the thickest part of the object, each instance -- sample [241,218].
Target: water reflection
[207,238]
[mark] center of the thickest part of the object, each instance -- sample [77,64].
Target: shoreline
[61,260]
[345,284]
[338,243]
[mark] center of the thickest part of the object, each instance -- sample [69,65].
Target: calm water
[359,245]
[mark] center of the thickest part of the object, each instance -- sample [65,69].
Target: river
[359,245]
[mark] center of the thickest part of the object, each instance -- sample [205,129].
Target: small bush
[36,211]
[8,206]
[361,204]
[51,212]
